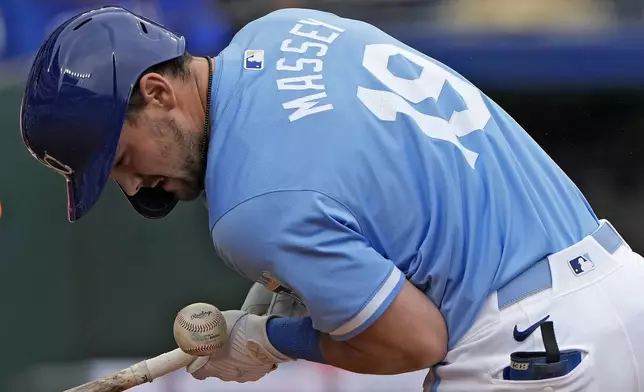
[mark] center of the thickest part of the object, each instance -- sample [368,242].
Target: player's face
[157,150]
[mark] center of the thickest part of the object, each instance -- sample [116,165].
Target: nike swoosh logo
[520,336]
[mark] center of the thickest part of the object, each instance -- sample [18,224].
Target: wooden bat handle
[140,373]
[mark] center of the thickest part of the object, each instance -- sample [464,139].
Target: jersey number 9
[387,104]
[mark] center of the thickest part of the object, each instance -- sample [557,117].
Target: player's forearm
[296,338]
[379,360]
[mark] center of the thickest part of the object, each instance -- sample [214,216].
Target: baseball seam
[197,328]
[204,348]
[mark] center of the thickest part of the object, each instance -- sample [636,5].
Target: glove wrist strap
[295,337]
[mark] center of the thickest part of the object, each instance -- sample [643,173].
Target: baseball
[200,329]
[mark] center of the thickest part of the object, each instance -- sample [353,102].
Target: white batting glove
[284,305]
[248,355]
[262,301]
[258,300]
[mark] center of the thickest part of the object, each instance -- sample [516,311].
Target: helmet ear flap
[152,203]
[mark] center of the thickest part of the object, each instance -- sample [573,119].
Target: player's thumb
[258,300]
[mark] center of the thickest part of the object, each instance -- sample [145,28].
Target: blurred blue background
[85,299]
[536,44]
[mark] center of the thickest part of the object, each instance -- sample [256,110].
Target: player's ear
[156,90]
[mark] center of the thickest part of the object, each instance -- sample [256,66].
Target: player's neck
[193,97]
[199,70]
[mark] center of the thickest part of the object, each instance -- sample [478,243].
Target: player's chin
[188,193]
[182,189]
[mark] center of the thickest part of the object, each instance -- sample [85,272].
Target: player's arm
[364,316]
[410,335]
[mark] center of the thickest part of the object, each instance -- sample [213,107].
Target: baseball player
[416,222]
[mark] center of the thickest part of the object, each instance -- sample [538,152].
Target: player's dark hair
[177,67]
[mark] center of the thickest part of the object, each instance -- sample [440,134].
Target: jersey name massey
[305,74]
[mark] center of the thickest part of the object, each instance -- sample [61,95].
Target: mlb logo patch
[581,265]
[254,59]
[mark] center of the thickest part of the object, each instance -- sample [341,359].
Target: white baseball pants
[596,307]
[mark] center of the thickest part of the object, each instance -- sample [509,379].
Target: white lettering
[311,104]
[319,64]
[399,92]
[314,22]
[313,34]
[300,83]
[306,106]
[305,46]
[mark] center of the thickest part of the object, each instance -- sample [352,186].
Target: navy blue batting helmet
[75,101]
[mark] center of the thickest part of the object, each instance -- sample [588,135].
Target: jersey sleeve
[312,245]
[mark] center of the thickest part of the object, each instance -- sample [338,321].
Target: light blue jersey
[343,162]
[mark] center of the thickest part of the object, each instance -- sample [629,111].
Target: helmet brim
[85,188]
